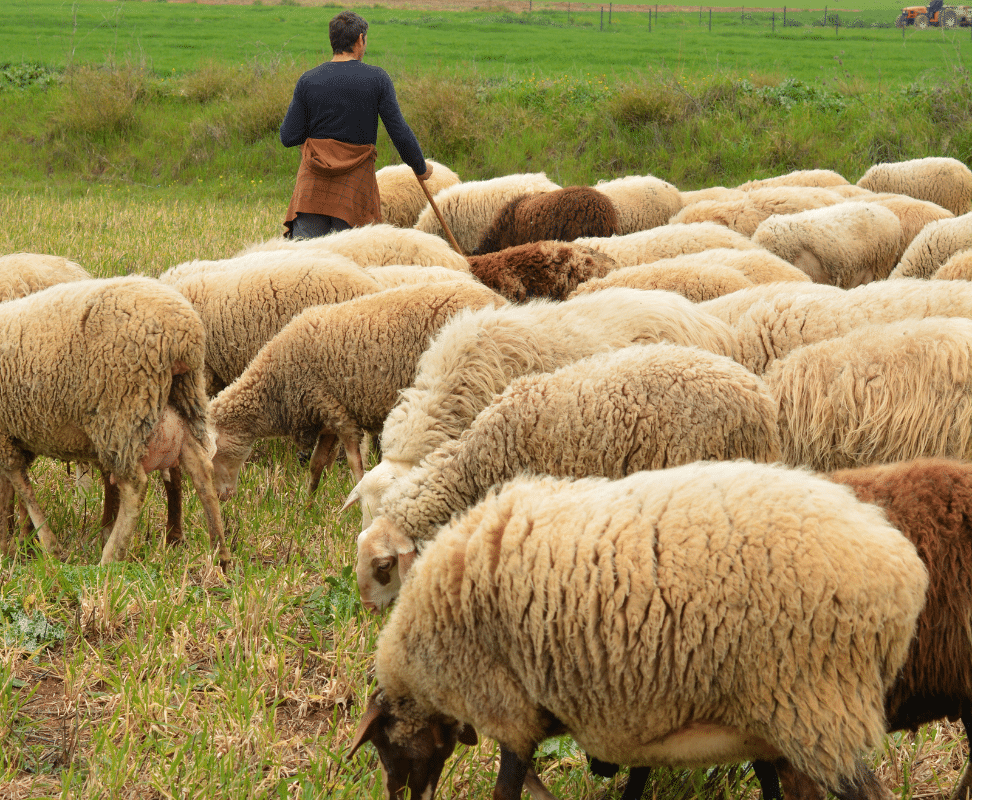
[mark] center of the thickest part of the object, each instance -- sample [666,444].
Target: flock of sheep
[686,475]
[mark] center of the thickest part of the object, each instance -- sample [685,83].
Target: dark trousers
[309,226]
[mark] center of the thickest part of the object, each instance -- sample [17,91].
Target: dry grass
[173,680]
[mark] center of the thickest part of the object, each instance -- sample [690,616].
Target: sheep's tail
[189,399]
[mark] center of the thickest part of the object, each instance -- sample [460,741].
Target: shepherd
[334,116]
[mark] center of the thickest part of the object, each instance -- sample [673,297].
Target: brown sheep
[547,269]
[561,215]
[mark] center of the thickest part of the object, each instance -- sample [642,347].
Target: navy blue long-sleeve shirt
[343,100]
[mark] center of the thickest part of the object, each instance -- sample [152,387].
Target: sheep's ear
[405,562]
[367,726]
[467,735]
[352,499]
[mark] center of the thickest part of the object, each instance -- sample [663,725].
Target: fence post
[743,15]
[650,20]
[837,30]
[784,18]
[656,13]
[709,20]
[773,15]
[602,18]
[568,19]
[609,15]
[824,16]
[699,16]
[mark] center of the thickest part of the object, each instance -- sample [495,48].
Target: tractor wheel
[901,21]
[949,19]
[921,22]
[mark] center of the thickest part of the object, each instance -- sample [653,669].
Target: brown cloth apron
[336,179]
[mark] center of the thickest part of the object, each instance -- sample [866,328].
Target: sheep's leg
[795,784]
[963,790]
[863,786]
[636,784]
[19,480]
[322,455]
[112,501]
[510,776]
[767,777]
[173,486]
[131,493]
[194,458]
[536,788]
[353,450]
[7,509]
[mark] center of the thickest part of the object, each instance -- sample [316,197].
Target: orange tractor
[937,14]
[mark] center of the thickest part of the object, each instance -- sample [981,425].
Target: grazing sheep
[929,501]
[649,618]
[642,201]
[756,264]
[549,270]
[243,309]
[729,308]
[933,246]
[642,407]
[956,268]
[846,244]
[848,191]
[773,328]
[882,393]
[334,372]
[914,215]
[695,283]
[400,196]
[667,241]
[711,193]
[22,274]
[561,215]
[123,389]
[945,181]
[822,178]
[745,214]
[478,353]
[375,245]
[394,275]
[468,208]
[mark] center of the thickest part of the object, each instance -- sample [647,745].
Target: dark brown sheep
[929,500]
[561,215]
[540,270]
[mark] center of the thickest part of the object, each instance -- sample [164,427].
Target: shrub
[27,75]
[100,100]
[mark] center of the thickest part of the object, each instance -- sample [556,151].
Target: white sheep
[879,394]
[22,274]
[642,201]
[745,214]
[478,353]
[400,197]
[695,283]
[713,612]
[468,208]
[945,181]
[666,241]
[773,328]
[933,246]
[394,275]
[822,178]
[642,407]
[846,244]
[958,267]
[108,372]
[242,309]
[730,307]
[711,193]
[374,246]
[333,373]
[914,215]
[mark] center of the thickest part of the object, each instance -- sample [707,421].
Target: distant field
[494,39]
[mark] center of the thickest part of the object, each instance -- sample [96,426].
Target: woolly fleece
[822,178]
[667,241]
[400,196]
[469,207]
[956,268]
[729,308]
[394,275]
[745,214]
[642,201]
[695,283]
[945,181]
[548,270]
[22,274]
[933,246]
[629,609]
[880,394]
[914,215]
[846,244]
[771,329]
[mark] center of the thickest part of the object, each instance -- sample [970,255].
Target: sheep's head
[371,489]
[385,555]
[412,747]
[230,454]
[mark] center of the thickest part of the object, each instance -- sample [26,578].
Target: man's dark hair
[345,28]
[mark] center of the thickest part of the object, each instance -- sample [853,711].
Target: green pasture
[168,38]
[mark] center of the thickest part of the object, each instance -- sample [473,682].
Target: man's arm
[400,133]
[295,125]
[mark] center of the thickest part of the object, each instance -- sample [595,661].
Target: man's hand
[426,175]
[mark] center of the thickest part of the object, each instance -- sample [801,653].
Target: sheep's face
[371,489]
[228,460]
[412,747]
[385,555]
